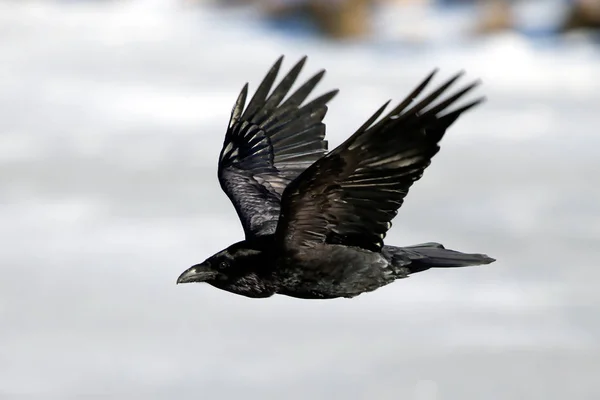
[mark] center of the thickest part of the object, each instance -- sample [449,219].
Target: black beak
[197,273]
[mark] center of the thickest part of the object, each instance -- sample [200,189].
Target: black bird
[315,222]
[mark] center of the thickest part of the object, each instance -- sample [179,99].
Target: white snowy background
[112,115]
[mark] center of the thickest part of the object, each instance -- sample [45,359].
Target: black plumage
[269,144]
[314,221]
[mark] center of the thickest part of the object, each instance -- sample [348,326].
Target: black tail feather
[422,257]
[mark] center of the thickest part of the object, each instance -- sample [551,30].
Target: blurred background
[112,115]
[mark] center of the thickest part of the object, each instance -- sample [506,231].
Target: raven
[314,221]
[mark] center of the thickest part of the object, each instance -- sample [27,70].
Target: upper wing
[270,143]
[351,195]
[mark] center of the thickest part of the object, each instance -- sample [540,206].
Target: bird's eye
[223,265]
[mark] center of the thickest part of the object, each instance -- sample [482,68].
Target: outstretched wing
[268,144]
[351,195]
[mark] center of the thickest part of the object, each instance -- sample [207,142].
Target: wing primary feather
[350,142]
[302,93]
[263,90]
[439,107]
[432,96]
[437,130]
[238,107]
[283,87]
[408,99]
[321,100]
[288,116]
[374,117]
[449,118]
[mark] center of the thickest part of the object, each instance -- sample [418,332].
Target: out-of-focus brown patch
[583,14]
[336,19]
[496,15]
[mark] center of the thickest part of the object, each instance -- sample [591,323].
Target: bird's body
[323,271]
[315,221]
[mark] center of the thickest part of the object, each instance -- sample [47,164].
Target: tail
[421,257]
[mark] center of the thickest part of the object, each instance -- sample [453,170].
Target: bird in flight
[315,221]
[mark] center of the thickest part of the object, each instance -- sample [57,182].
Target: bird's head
[212,269]
[243,268]
[226,265]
